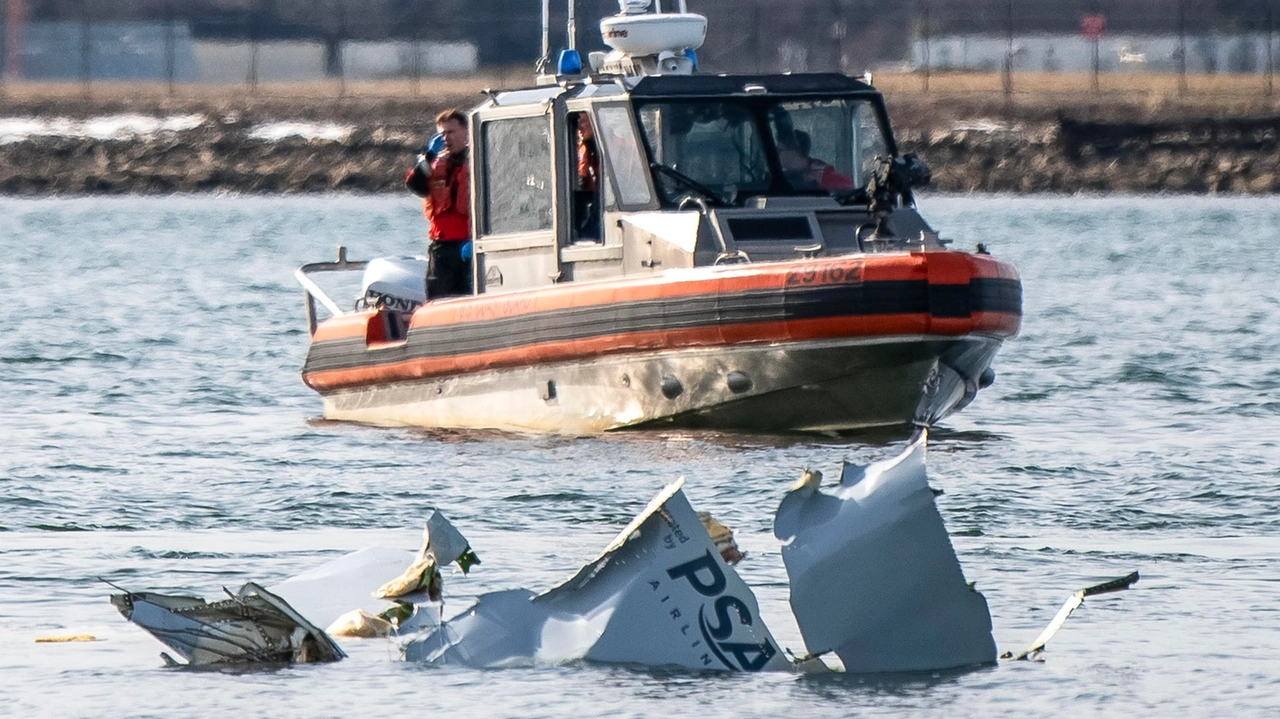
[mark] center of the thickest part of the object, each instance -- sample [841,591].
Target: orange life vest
[448,201]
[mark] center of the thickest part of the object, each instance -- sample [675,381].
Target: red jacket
[448,203]
[588,165]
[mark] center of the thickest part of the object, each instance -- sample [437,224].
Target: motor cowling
[397,283]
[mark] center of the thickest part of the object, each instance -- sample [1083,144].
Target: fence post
[170,50]
[1008,52]
[341,9]
[6,40]
[255,30]
[86,51]
[1093,76]
[417,52]
[1182,47]
[928,51]
[1270,53]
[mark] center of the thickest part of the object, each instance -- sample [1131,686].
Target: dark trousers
[447,272]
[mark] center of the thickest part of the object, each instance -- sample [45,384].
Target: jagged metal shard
[252,626]
[873,574]
[659,595]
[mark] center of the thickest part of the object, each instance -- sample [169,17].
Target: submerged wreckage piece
[661,594]
[258,626]
[442,544]
[873,575]
[251,626]
[1073,601]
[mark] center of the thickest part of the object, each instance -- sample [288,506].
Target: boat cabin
[602,176]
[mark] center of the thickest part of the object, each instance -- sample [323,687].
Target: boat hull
[818,386]
[846,343]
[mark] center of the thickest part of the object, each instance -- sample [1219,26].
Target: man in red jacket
[447,205]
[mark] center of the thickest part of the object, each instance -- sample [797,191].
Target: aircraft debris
[722,537]
[251,626]
[324,593]
[442,544]
[873,578]
[359,624]
[661,594]
[1037,647]
[873,575]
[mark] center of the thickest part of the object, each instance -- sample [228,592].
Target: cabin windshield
[727,151]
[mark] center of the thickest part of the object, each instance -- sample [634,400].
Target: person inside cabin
[804,171]
[587,190]
[447,205]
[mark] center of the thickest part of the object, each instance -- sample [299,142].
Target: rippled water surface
[156,435]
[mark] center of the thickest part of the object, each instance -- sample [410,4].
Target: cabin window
[517,175]
[826,145]
[727,151]
[711,149]
[588,176]
[625,159]
[868,141]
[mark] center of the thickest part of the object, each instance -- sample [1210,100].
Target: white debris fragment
[1075,600]
[359,624]
[873,575]
[443,541]
[659,595]
[336,587]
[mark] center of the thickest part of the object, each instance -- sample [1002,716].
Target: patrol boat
[748,257]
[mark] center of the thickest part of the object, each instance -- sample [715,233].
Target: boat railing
[726,255]
[313,292]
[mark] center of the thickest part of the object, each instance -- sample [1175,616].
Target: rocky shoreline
[1070,156]
[970,149]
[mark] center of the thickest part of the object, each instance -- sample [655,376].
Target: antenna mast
[546,36]
[573,25]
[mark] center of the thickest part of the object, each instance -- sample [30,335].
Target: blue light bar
[570,63]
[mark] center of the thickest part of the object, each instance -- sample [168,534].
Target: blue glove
[435,145]
[466,250]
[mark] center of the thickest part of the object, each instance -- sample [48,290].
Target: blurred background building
[230,41]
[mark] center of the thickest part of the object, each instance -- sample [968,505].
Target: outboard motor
[397,283]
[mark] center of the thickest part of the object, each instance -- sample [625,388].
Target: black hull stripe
[678,313]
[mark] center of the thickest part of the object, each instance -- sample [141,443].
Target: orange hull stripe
[989,323]
[936,267]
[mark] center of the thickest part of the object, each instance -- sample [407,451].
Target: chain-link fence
[1162,46]
[318,47]
[411,47]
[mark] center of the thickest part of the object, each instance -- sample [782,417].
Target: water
[156,434]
